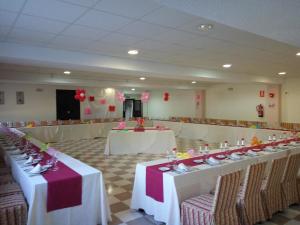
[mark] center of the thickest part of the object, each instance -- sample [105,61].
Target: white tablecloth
[62,133]
[179,187]
[93,210]
[130,142]
[216,133]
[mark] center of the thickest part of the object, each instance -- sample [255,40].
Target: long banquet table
[179,187]
[94,208]
[152,141]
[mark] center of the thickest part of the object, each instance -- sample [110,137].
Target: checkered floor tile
[119,172]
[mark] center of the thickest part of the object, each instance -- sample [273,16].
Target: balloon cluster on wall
[166,96]
[80,95]
[120,97]
[145,97]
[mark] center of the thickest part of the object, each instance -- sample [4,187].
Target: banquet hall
[149,112]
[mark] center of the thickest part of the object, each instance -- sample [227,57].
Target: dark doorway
[67,108]
[132,108]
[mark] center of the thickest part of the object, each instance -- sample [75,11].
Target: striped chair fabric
[10,189]
[13,210]
[4,171]
[249,202]
[5,179]
[218,209]
[271,189]
[289,181]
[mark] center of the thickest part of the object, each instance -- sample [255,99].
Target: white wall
[42,105]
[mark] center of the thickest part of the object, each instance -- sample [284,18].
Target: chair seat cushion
[202,202]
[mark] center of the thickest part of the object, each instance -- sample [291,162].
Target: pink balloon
[102,101]
[122,125]
[120,96]
[87,111]
[145,97]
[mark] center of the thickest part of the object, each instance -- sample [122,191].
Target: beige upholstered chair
[289,181]
[249,202]
[217,209]
[271,189]
[5,179]
[10,189]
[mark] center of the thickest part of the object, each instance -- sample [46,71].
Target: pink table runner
[154,176]
[146,128]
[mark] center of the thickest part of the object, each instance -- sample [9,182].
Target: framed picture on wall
[2,98]
[20,97]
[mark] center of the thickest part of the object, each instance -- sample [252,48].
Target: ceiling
[259,39]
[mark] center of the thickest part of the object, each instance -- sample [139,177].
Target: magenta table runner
[154,177]
[146,128]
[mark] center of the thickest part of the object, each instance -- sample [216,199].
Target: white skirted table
[179,187]
[151,141]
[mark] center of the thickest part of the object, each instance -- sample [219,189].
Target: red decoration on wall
[261,93]
[271,95]
[80,95]
[111,108]
[166,96]
[91,98]
[87,111]
[102,101]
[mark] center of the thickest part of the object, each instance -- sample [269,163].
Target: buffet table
[175,187]
[151,141]
[92,209]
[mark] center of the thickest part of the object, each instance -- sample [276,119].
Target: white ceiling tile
[103,20]
[129,8]
[85,32]
[3,31]
[168,17]
[121,39]
[53,9]
[143,29]
[86,3]
[7,18]
[175,36]
[151,44]
[66,42]
[11,5]
[30,36]
[40,24]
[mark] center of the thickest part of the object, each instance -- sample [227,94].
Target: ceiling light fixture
[142,78]
[282,73]
[227,65]
[194,82]
[298,54]
[205,27]
[133,89]
[133,52]
[67,72]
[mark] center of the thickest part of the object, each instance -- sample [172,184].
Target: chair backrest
[226,191]
[291,168]
[253,180]
[275,176]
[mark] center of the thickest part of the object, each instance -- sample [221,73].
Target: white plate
[220,156]
[198,161]
[164,168]
[42,170]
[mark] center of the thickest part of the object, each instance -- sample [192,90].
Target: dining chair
[13,210]
[10,189]
[271,188]
[249,202]
[298,183]
[217,209]
[289,188]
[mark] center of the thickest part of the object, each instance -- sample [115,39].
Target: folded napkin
[23,156]
[235,156]
[36,169]
[250,152]
[269,148]
[182,167]
[29,160]
[212,160]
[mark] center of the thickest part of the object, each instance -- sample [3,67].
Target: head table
[128,141]
[160,193]
[92,208]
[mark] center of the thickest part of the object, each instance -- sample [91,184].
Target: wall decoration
[111,108]
[91,98]
[80,95]
[102,101]
[271,95]
[261,93]
[120,96]
[166,96]
[20,97]
[87,111]
[145,97]
[2,101]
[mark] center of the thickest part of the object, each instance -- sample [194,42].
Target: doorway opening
[132,108]
[67,108]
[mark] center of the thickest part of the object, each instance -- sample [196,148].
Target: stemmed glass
[53,162]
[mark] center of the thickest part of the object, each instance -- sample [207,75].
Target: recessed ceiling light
[194,82]
[298,54]
[227,65]
[67,72]
[205,27]
[142,78]
[133,89]
[133,52]
[282,73]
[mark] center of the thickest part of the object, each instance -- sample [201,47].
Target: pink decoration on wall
[91,98]
[122,125]
[145,97]
[166,96]
[261,93]
[80,95]
[102,101]
[87,111]
[120,97]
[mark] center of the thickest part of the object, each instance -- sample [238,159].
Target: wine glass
[54,162]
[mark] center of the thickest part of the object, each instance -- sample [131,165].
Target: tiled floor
[119,174]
